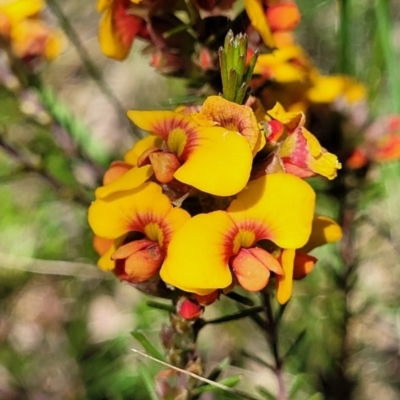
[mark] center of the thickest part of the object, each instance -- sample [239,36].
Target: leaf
[295,344]
[150,349]
[266,393]
[148,381]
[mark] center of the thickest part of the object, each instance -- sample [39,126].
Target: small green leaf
[148,381]
[266,393]
[150,349]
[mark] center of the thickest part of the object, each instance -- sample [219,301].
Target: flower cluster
[212,198]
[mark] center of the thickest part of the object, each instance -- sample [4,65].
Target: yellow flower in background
[143,222]
[285,65]
[212,250]
[118,27]
[210,158]
[327,89]
[29,36]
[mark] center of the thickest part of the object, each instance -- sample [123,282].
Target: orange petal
[303,265]
[164,164]
[283,16]
[250,272]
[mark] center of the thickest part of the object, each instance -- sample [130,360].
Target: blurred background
[65,325]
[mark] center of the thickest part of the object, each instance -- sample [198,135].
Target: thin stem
[344,37]
[384,31]
[239,315]
[271,331]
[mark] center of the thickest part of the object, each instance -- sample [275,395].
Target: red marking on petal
[300,153]
[165,126]
[126,25]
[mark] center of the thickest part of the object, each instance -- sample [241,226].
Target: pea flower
[300,151]
[142,222]
[212,251]
[207,154]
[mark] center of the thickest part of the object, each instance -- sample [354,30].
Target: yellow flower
[210,158]
[285,65]
[211,250]
[142,221]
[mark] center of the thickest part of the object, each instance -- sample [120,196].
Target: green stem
[384,30]
[345,66]
[233,317]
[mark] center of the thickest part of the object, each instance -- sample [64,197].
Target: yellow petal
[103,5]
[282,203]
[130,180]
[290,119]
[285,282]
[110,43]
[144,209]
[324,230]
[18,10]
[219,163]
[173,127]
[197,258]
[258,19]
[321,161]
